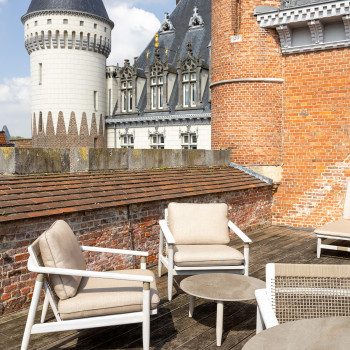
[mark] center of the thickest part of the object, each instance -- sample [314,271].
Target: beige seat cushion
[99,297]
[207,255]
[59,248]
[340,228]
[198,223]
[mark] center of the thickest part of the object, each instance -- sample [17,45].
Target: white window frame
[157,92]
[127,96]
[189,81]
[156,141]
[127,141]
[191,143]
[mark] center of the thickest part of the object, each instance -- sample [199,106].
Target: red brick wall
[316,138]
[246,116]
[249,209]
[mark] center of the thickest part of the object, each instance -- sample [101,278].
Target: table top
[311,334]
[222,286]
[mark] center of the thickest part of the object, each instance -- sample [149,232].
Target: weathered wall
[46,160]
[246,97]
[249,209]
[316,139]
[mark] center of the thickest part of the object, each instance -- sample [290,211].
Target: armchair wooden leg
[170,271]
[146,315]
[319,241]
[45,307]
[32,311]
[259,321]
[161,244]
[192,299]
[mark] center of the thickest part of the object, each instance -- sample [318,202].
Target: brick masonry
[59,137]
[301,124]
[316,139]
[133,227]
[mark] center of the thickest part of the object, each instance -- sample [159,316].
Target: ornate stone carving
[285,35]
[316,29]
[196,21]
[167,26]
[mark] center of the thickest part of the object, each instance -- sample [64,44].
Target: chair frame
[174,270]
[321,236]
[266,317]
[88,322]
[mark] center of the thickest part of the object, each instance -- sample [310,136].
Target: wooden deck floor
[172,328]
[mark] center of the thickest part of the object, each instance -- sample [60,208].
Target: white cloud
[3,1]
[15,106]
[133,30]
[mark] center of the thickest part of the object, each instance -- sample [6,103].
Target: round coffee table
[311,334]
[220,287]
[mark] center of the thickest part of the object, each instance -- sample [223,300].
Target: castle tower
[68,42]
[247,85]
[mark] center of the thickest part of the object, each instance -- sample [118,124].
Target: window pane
[186,95]
[160,97]
[186,77]
[186,139]
[193,76]
[160,80]
[130,84]
[131,139]
[154,139]
[124,103]
[154,97]
[125,138]
[124,85]
[154,81]
[130,100]
[193,94]
[193,147]
[194,139]
[162,139]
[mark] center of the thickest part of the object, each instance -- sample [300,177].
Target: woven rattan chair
[297,291]
[197,237]
[86,299]
[336,230]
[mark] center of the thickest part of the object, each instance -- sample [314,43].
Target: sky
[136,22]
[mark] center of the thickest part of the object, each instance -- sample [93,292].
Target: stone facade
[68,51]
[279,81]
[128,227]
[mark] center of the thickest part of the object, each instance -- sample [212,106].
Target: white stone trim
[317,47]
[346,20]
[285,35]
[316,29]
[304,14]
[248,80]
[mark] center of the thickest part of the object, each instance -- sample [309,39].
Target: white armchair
[197,237]
[301,291]
[336,230]
[86,299]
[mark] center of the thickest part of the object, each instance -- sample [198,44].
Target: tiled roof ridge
[35,198]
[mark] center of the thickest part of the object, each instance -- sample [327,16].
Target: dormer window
[127,96]
[189,90]
[157,92]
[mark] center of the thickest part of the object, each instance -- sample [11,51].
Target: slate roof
[176,41]
[25,197]
[92,7]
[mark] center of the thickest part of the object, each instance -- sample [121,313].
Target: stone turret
[68,42]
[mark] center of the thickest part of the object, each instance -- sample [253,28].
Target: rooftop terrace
[172,328]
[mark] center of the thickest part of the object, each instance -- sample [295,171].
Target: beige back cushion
[59,248]
[346,210]
[198,223]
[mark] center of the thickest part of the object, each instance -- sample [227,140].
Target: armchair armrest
[265,307]
[112,251]
[239,233]
[83,273]
[167,234]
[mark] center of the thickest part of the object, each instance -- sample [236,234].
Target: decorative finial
[156,40]
[147,54]
[166,51]
[167,25]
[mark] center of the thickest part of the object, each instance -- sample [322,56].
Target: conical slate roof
[93,7]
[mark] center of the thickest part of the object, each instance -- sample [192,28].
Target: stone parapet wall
[45,160]
[125,227]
